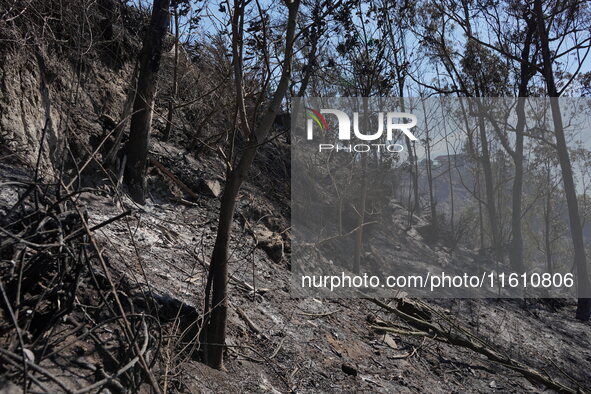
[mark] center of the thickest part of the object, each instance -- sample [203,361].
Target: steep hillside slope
[151,261]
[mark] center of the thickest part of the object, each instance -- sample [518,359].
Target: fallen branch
[80,232]
[338,236]
[186,202]
[317,314]
[253,327]
[403,332]
[474,344]
[173,178]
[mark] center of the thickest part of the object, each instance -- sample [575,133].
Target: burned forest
[295,196]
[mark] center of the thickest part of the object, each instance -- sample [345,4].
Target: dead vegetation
[54,296]
[447,330]
[100,295]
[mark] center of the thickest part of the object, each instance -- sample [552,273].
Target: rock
[349,369]
[29,355]
[388,340]
[270,242]
[210,187]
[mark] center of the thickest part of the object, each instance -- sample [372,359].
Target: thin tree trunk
[413,177]
[485,161]
[175,76]
[491,206]
[516,250]
[415,162]
[214,331]
[474,150]
[432,206]
[584,287]
[361,218]
[237,33]
[480,214]
[547,224]
[358,250]
[141,119]
[450,178]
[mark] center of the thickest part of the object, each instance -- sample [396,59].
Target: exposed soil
[158,255]
[303,345]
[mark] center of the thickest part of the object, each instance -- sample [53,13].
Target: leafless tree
[216,301]
[141,118]
[584,286]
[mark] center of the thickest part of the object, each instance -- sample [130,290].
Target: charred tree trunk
[214,330]
[141,119]
[516,249]
[415,163]
[413,175]
[548,222]
[584,287]
[478,188]
[449,176]
[491,206]
[358,251]
[484,158]
[175,76]
[361,219]
[432,206]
